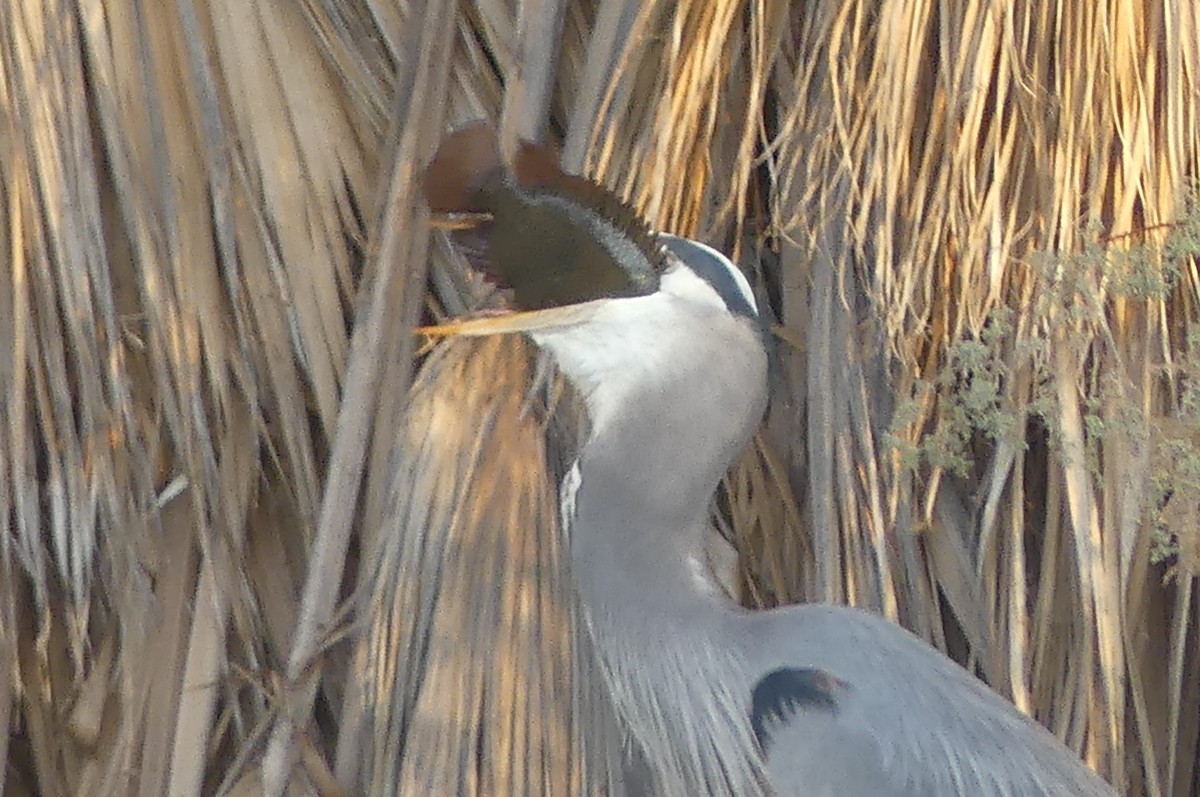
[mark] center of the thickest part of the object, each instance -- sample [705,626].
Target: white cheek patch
[708,266]
[683,283]
[625,344]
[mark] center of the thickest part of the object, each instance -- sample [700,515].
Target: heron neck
[641,522]
[661,628]
[661,440]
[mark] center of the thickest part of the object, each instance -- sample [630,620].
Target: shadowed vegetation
[240,555]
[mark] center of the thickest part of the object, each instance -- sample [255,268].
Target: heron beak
[508,323]
[453,222]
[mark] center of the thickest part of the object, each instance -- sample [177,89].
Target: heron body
[802,701]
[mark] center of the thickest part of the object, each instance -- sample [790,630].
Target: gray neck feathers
[664,634]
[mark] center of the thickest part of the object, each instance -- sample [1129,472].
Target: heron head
[619,307]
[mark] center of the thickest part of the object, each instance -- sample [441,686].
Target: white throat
[674,384]
[627,346]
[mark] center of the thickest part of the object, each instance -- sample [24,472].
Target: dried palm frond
[466,603]
[183,182]
[976,156]
[971,220]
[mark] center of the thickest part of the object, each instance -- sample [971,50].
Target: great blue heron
[662,338]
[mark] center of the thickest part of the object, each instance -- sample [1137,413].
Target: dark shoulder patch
[711,267]
[781,692]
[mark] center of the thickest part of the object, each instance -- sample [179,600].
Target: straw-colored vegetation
[235,557]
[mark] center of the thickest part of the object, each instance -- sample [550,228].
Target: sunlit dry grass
[217,570]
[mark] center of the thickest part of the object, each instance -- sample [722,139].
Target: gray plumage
[675,384]
[804,701]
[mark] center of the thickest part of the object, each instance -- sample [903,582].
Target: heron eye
[717,270]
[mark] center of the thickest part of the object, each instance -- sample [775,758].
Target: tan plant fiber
[243,551]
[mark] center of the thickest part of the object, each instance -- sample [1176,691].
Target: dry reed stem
[189,189]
